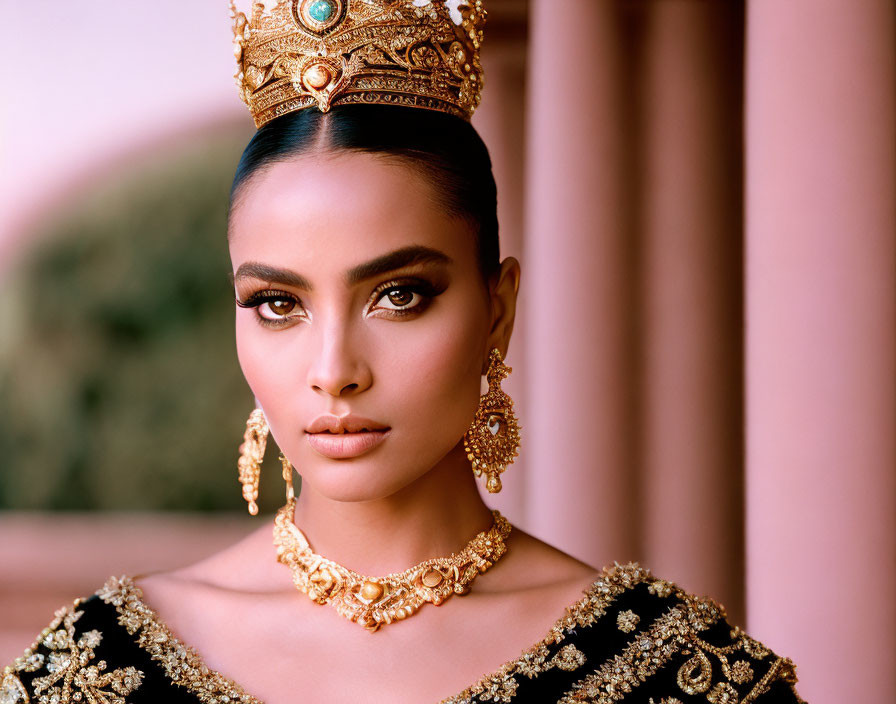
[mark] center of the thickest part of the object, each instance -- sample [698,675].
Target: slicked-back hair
[445,149]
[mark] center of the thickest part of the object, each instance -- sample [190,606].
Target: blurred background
[701,196]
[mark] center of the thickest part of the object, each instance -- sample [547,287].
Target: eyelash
[259,298]
[424,289]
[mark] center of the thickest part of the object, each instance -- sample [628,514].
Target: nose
[338,367]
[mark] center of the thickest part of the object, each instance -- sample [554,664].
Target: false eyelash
[418,286]
[424,288]
[259,297]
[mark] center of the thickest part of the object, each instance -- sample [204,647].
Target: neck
[391,534]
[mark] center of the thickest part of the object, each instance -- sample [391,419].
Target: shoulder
[111,647]
[71,653]
[670,644]
[637,637]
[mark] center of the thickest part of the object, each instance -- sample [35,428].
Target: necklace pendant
[372,591]
[432,578]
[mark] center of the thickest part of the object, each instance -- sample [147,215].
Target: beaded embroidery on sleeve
[738,671]
[65,667]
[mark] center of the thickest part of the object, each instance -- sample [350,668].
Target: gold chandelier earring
[493,438]
[255,440]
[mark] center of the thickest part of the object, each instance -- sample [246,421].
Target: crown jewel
[320,53]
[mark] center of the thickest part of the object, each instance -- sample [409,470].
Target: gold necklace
[372,601]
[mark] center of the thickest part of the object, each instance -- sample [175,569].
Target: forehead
[325,213]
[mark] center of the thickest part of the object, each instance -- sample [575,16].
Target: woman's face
[363,323]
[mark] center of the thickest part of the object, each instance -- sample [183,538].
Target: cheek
[248,353]
[263,362]
[434,372]
[271,366]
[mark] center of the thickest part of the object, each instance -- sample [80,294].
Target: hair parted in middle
[444,149]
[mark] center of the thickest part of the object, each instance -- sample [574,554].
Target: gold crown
[320,53]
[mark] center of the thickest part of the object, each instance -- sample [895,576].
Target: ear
[503,291]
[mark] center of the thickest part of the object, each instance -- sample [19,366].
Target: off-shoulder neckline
[186,667]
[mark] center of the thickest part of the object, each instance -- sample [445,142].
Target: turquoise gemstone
[322,10]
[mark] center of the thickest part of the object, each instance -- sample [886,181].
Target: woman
[371,302]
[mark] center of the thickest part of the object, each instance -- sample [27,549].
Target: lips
[343,424]
[345,437]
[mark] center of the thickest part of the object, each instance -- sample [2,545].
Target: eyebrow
[406,256]
[398,259]
[271,274]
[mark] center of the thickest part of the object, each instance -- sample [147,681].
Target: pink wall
[691,297]
[821,487]
[579,357]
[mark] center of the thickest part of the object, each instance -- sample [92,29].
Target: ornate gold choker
[372,601]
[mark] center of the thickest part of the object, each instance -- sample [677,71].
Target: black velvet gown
[631,638]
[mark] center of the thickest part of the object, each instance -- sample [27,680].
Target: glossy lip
[345,437]
[343,424]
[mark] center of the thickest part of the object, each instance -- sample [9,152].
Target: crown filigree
[321,53]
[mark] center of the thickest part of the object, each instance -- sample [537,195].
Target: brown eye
[401,297]
[277,308]
[397,299]
[274,308]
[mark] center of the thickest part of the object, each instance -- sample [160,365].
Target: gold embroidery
[661,588]
[665,700]
[598,596]
[12,691]
[781,669]
[70,675]
[501,690]
[637,662]
[569,658]
[627,621]
[750,646]
[678,631]
[740,672]
[532,663]
[723,693]
[695,676]
[181,663]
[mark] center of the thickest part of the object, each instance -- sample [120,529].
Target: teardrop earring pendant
[493,439]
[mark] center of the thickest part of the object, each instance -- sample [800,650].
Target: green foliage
[119,383]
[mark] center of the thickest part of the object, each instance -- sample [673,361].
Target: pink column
[692,219]
[576,284]
[821,535]
[499,121]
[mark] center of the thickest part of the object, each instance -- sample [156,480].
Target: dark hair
[446,149]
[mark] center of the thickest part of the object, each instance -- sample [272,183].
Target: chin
[350,481]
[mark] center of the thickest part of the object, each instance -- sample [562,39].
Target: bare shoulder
[243,569]
[532,565]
